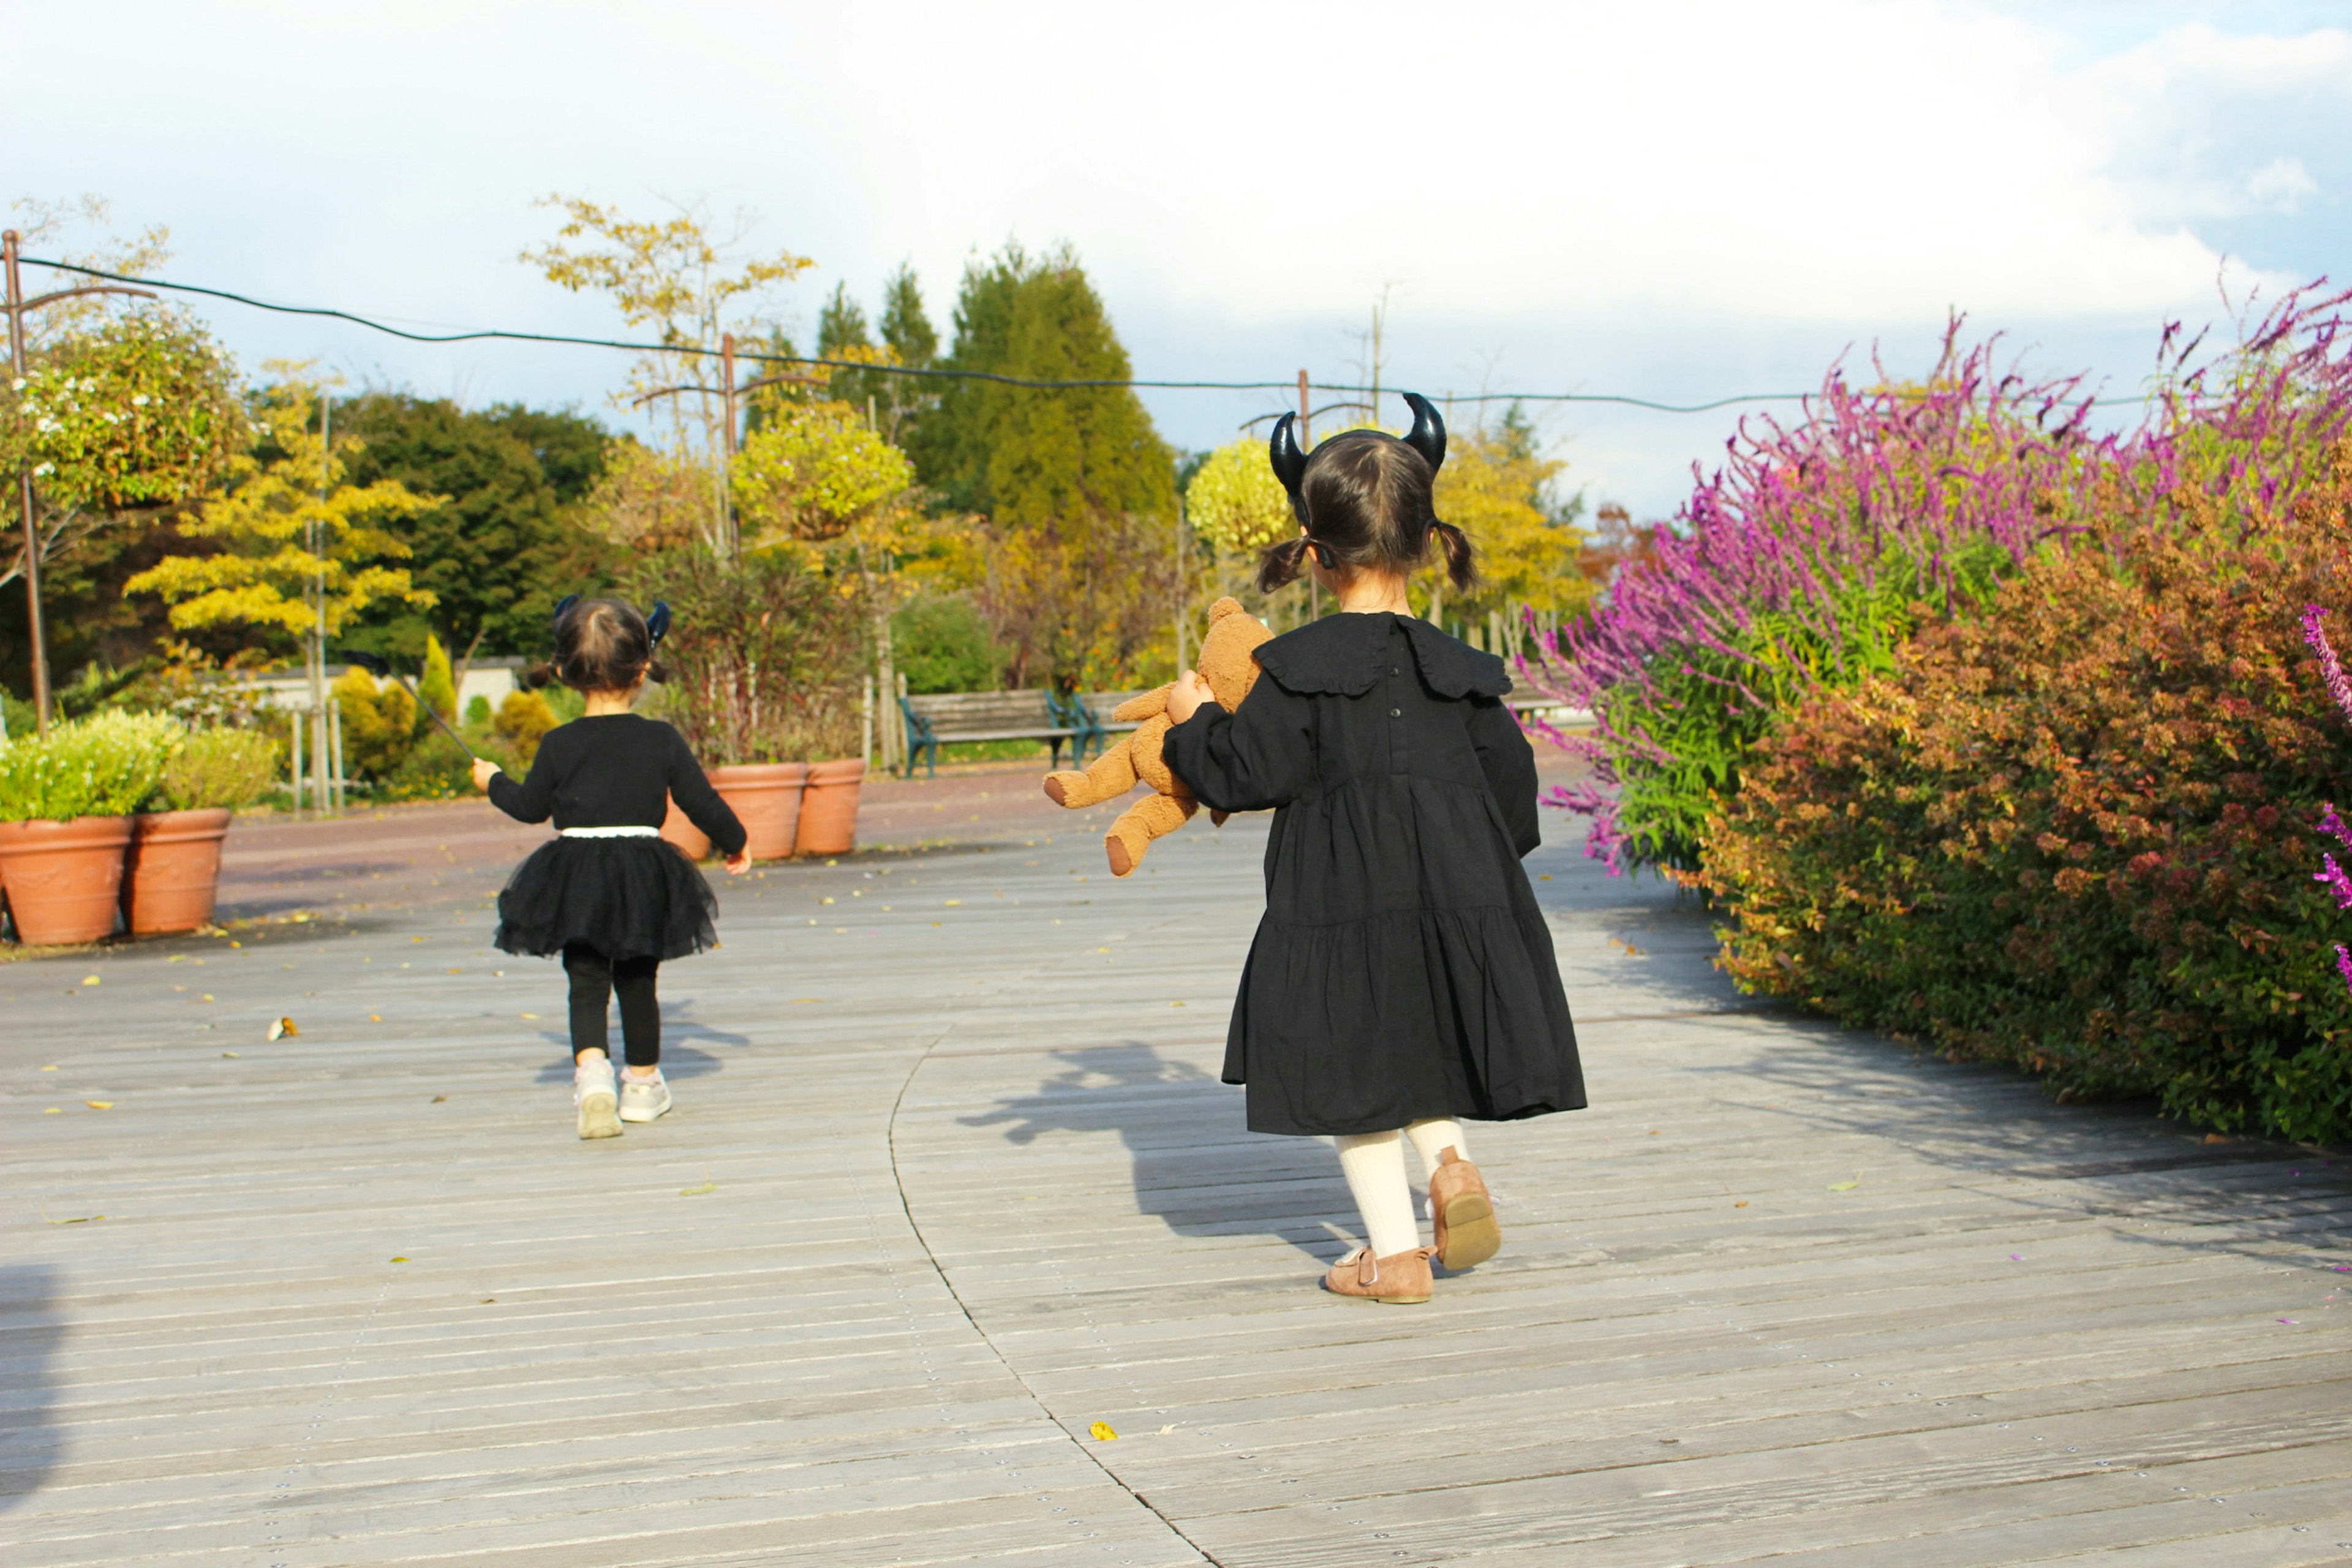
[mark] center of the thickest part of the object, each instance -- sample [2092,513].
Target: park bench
[1082,718]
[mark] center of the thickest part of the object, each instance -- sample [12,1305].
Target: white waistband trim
[629,832]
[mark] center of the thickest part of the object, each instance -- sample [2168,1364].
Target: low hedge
[2076,834]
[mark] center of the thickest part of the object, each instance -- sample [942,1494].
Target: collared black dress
[1402,970]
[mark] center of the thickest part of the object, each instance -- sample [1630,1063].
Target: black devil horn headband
[657,624]
[1427,437]
[562,604]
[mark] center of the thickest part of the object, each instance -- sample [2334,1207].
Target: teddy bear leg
[1108,777]
[1138,824]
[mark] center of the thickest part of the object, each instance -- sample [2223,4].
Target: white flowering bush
[139,411]
[109,764]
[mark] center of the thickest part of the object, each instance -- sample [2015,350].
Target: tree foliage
[505,539]
[1493,487]
[1233,500]
[813,472]
[289,517]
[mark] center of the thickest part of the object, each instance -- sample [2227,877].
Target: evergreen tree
[906,327]
[1077,485]
[504,542]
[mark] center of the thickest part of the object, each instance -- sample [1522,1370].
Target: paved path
[950,1180]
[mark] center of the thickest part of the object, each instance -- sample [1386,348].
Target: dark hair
[601,645]
[1365,500]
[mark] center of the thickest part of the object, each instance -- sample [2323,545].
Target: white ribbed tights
[1374,1166]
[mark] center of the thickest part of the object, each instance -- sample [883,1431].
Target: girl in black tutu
[610,894]
[1403,976]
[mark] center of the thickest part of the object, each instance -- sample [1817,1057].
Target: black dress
[1402,970]
[624,897]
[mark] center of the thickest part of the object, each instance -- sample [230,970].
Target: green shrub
[437,685]
[231,768]
[943,644]
[523,718]
[2075,835]
[477,711]
[108,765]
[380,722]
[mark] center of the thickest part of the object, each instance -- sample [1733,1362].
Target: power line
[926,372]
[1034,384]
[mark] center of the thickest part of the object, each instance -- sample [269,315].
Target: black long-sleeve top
[617,770]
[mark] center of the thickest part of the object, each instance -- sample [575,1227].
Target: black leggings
[595,979]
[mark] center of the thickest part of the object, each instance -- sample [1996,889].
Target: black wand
[380,666]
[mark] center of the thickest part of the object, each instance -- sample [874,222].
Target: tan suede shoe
[1462,1212]
[1402,1278]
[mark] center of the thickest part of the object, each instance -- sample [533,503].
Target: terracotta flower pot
[63,879]
[829,810]
[172,872]
[767,797]
[681,831]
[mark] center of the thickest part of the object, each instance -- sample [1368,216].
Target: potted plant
[754,663]
[65,804]
[171,873]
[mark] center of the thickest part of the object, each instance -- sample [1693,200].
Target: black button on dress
[1403,969]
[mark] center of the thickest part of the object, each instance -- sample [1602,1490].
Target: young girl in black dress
[1402,977]
[609,893]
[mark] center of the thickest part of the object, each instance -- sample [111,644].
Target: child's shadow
[679,1059]
[1194,1165]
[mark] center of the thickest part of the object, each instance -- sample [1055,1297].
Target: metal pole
[39,658]
[294,721]
[727,521]
[1306,437]
[317,659]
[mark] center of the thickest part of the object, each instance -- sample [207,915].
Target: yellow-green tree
[687,284]
[1235,503]
[811,472]
[1493,489]
[301,552]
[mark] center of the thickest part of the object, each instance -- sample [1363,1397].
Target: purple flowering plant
[1806,559]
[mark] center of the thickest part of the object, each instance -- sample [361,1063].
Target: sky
[1678,202]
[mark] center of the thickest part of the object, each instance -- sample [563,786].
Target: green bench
[1082,720]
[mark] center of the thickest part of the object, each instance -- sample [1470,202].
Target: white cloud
[2282,185]
[1670,199]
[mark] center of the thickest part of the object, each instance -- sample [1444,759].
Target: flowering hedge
[2076,834]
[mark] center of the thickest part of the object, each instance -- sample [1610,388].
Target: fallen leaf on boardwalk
[440,1099]
[1740,1204]
[707,1186]
[805,1001]
[90,980]
[1845,1187]
[82,1219]
[1102,1432]
[952,904]
[52,1111]
[283,1029]
[99,1104]
[532,1017]
[375,1017]
[230,1055]
[1545,878]
[1175,1004]
[400,1260]
[208,995]
[51,1068]
[1169,1427]
[2217,1138]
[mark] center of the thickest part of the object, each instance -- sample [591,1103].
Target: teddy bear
[1226,666]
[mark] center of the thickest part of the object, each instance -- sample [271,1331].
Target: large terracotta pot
[681,831]
[171,873]
[63,879]
[766,797]
[829,810]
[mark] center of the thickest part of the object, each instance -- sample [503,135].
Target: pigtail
[537,676]
[658,672]
[1282,563]
[1460,561]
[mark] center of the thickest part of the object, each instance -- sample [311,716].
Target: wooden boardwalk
[950,1180]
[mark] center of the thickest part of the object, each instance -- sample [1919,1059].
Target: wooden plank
[951,1178]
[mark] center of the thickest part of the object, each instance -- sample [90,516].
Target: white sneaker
[592,1091]
[643,1098]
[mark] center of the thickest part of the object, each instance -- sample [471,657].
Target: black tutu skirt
[624,897]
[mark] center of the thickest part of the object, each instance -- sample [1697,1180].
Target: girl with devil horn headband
[1403,977]
[609,893]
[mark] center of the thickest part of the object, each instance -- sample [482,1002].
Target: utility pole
[10,244]
[1306,438]
[726,522]
[315,659]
